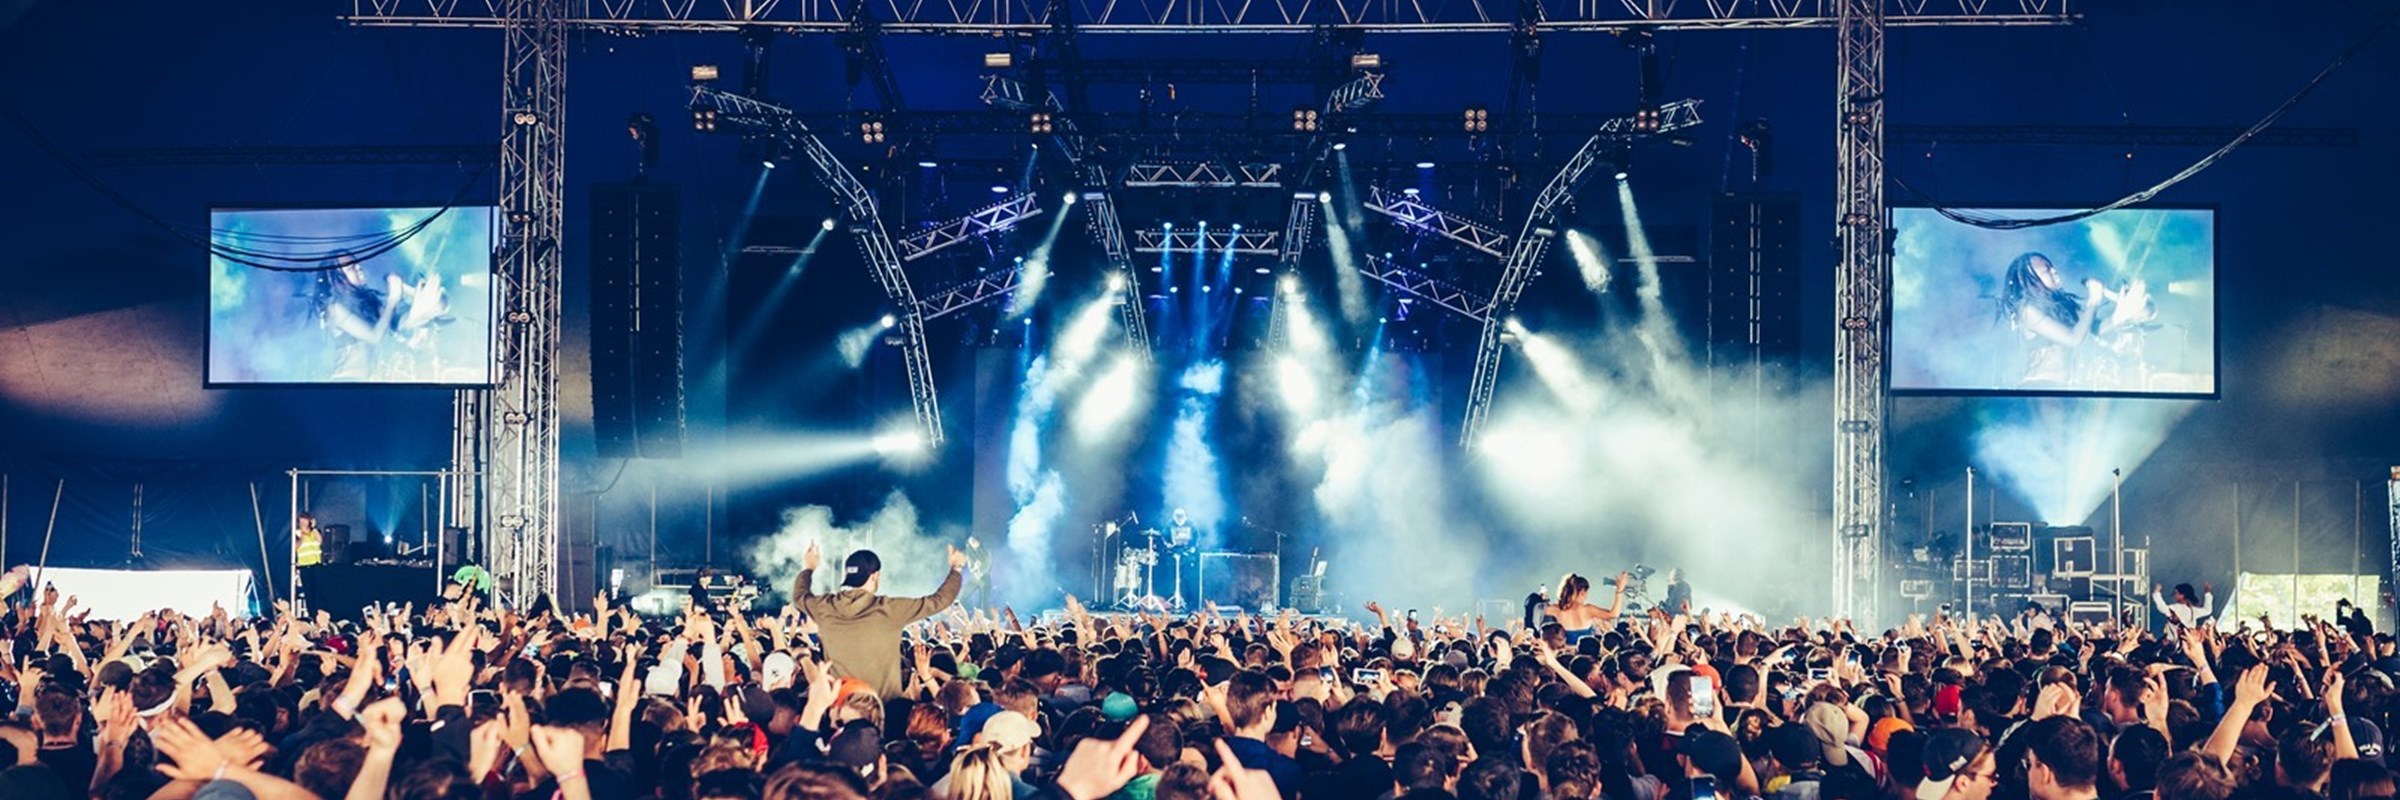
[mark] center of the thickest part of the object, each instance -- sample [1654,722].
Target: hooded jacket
[861,631]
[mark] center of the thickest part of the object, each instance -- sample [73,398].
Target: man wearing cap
[1957,767]
[861,629]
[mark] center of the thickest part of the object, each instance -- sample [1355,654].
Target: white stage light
[888,321]
[1116,282]
[899,443]
[1298,386]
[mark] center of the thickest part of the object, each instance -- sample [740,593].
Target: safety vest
[310,551]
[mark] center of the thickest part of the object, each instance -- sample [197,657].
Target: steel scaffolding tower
[1859,282]
[519,415]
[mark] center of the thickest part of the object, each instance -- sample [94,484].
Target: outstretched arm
[921,607]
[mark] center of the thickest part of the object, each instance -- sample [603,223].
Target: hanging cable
[373,244]
[1994,222]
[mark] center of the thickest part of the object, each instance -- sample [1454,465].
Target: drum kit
[1135,578]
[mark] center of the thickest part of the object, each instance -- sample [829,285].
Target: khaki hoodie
[862,631]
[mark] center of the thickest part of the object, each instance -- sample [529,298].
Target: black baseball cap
[860,566]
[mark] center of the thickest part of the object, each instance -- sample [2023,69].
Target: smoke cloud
[914,560]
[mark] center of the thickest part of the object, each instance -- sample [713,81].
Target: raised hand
[381,720]
[188,754]
[958,560]
[2251,689]
[561,751]
[1099,768]
[812,557]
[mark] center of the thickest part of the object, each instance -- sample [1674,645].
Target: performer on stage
[308,543]
[1581,619]
[699,591]
[2186,610]
[1679,593]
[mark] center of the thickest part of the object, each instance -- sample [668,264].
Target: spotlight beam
[1008,92]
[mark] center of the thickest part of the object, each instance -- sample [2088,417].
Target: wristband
[563,780]
[221,765]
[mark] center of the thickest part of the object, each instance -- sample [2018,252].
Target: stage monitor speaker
[1239,580]
[2012,537]
[2012,571]
[2075,557]
[637,321]
[333,543]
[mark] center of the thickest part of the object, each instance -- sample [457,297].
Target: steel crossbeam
[1412,211]
[995,218]
[970,294]
[1203,175]
[1428,288]
[1296,17]
[1249,243]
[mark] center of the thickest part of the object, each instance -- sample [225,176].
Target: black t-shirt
[73,763]
[611,779]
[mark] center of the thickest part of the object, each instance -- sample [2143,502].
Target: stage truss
[510,431]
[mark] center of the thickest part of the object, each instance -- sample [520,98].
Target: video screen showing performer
[2123,302]
[364,310]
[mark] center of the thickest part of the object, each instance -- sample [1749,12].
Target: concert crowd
[848,694]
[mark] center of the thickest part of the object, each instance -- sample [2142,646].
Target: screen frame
[491,331]
[2216,303]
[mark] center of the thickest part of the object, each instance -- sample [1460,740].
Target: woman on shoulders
[1576,614]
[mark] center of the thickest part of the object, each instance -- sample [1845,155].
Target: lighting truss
[1428,288]
[1296,17]
[517,436]
[1249,243]
[1517,268]
[1359,93]
[758,119]
[995,218]
[1859,284]
[1295,244]
[1413,212]
[970,294]
[1100,210]
[1203,175]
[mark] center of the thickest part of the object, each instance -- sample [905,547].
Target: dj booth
[343,590]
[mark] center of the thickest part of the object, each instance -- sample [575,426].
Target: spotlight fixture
[703,73]
[1304,119]
[1001,60]
[1290,284]
[888,321]
[1620,173]
[1039,122]
[871,131]
[1340,146]
[768,163]
[1067,200]
[704,119]
[1116,282]
[1366,61]
[1424,165]
[927,164]
[999,189]
[827,224]
[1325,197]
[1477,119]
[1264,271]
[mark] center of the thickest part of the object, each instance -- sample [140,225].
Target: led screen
[344,303]
[2122,303]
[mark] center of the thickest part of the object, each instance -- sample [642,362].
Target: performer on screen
[2056,324]
[979,574]
[362,316]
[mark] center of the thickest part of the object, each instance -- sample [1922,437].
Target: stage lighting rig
[1304,120]
[870,131]
[1477,119]
[704,73]
[1038,122]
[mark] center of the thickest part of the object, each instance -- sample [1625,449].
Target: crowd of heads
[461,699]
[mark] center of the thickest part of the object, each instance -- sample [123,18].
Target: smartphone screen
[1819,674]
[1366,677]
[1704,695]
[1704,788]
